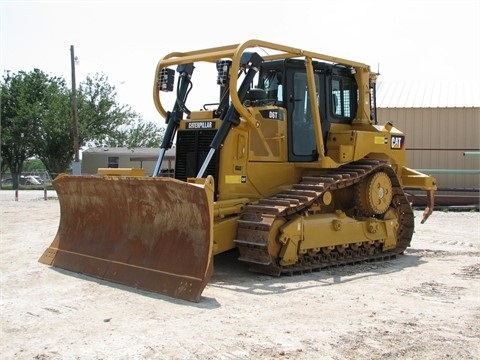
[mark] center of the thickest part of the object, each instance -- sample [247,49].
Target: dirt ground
[422,305]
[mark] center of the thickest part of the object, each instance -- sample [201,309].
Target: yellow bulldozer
[285,162]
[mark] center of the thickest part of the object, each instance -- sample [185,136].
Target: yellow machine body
[290,166]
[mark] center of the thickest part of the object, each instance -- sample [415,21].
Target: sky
[406,40]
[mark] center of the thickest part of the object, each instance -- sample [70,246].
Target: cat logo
[397,142]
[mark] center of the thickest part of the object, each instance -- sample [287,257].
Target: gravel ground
[422,305]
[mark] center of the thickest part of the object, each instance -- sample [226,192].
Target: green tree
[101,120]
[137,134]
[100,116]
[36,116]
[25,99]
[54,145]
[33,165]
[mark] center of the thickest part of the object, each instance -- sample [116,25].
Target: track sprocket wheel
[374,194]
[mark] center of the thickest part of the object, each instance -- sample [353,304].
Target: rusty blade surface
[149,233]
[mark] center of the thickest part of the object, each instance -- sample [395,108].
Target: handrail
[235,51]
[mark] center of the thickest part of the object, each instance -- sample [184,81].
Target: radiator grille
[191,150]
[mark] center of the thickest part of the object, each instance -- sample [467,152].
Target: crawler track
[257,226]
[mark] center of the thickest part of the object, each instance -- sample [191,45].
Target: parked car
[32,180]
[25,180]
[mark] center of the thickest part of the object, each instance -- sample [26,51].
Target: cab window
[344,98]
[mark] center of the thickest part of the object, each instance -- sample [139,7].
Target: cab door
[302,145]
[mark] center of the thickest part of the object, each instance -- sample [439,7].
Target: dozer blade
[154,234]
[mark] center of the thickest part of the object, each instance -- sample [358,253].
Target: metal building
[441,122]
[107,157]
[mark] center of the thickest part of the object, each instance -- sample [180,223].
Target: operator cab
[284,84]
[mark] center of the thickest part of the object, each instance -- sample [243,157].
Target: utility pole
[76,168]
